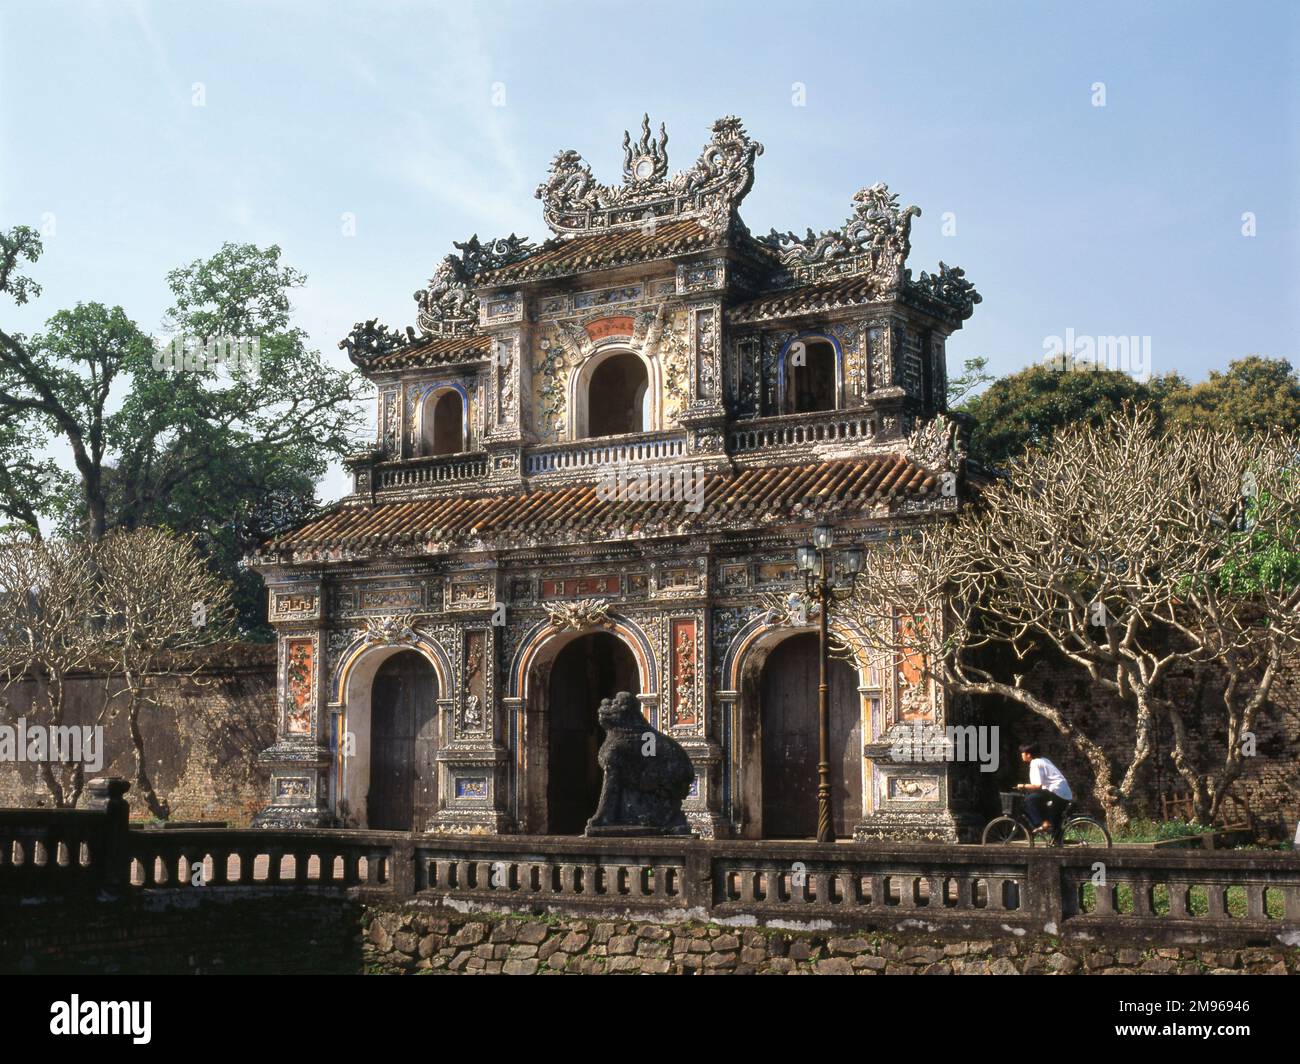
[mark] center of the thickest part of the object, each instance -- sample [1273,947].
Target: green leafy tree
[974,375]
[1025,409]
[217,448]
[1254,394]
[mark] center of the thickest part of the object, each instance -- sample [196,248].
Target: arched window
[618,396]
[809,376]
[444,423]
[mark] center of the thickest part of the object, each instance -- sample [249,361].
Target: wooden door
[403,745]
[788,714]
[591,668]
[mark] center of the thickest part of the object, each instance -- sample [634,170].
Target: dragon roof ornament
[448,306]
[875,241]
[370,339]
[949,286]
[710,191]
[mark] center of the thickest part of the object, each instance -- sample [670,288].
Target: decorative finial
[647,160]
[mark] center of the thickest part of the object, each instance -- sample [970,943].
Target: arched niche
[616,391]
[442,421]
[810,375]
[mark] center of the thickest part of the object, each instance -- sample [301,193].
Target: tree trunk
[1114,800]
[157,805]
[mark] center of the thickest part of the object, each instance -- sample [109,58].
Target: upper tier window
[444,423]
[809,377]
[618,396]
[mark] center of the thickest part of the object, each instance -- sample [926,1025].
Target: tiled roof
[806,299]
[605,251]
[436,351]
[748,499]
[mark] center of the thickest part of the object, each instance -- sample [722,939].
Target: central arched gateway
[562,675]
[591,668]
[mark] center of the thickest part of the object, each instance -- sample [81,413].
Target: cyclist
[1048,792]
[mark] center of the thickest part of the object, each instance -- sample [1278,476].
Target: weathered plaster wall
[201,739]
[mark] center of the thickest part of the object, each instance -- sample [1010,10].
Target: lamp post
[820,566]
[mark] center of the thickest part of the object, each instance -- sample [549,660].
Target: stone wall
[438,942]
[201,738]
[305,931]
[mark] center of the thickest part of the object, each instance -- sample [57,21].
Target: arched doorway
[618,396]
[588,669]
[788,711]
[403,744]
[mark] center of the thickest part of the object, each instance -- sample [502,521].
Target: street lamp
[818,565]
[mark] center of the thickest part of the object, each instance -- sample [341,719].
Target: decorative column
[299,762]
[473,763]
[503,320]
[683,710]
[920,763]
[705,416]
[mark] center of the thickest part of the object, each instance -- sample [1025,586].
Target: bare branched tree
[47,633]
[132,605]
[161,604]
[1128,553]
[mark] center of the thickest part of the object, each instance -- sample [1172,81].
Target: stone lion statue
[647,775]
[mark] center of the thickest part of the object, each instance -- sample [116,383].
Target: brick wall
[201,739]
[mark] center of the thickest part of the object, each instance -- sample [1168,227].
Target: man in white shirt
[1048,792]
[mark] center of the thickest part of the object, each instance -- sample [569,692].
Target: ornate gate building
[596,458]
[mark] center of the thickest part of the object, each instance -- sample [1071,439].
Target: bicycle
[1014,828]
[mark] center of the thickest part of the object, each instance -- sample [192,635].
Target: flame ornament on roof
[575,202]
[647,160]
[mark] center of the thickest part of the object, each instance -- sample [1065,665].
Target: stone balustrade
[1131,892]
[601,453]
[801,430]
[426,472]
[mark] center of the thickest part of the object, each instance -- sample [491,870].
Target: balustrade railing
[1247,895]
[586,454]
[799,430]
[422,473]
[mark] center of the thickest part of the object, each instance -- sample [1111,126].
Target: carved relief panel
[685,687]
[743,369]
[474,710]
[706,347]
[298,683]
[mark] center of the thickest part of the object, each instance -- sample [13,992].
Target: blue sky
[1117,220]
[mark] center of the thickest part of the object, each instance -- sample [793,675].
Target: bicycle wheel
[1006,831]
[1084,831]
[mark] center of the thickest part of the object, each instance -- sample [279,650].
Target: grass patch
[1198,900]
[1144,830]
